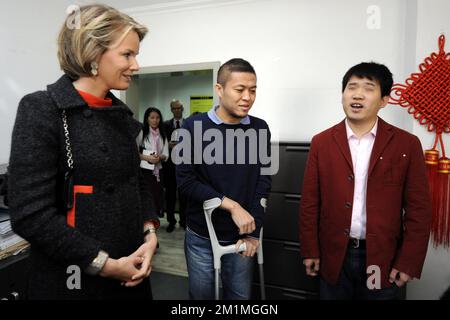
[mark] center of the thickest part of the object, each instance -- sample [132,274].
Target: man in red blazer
[365,213]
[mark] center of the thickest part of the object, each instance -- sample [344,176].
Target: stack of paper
[7,237]
[145,164]
[10,243]
[14,250]
[5,227]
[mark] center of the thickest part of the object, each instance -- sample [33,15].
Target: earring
[94,68]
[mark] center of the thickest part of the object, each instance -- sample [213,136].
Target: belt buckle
[355,243]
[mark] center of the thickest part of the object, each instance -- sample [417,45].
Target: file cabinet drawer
[279,293]
[281,220]
[283,267]
[14,277]
[292,162]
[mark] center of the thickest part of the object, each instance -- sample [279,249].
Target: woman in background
[101,246]
[155,150]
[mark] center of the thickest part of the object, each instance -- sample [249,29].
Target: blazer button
[87,113]
[103,147]
[347,231]
[350,177]
[348,205]
[110,188]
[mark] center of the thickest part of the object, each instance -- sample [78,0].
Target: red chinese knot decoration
[426,95]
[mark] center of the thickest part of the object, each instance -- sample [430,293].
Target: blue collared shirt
[215,118]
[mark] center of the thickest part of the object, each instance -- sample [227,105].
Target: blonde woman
[103,227]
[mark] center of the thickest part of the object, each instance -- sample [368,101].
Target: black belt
[357,243]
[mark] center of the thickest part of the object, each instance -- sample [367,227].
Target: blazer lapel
[340,136]
[384,135]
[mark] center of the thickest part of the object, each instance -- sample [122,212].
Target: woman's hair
[146,128]
[99,28]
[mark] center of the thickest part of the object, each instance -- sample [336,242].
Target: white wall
[159,92]
[432,20]
[300,50]
[28,31]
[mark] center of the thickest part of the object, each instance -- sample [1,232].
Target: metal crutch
[218,250]
[259,253]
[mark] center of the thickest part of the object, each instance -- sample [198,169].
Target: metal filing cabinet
[284,273]
[14,277]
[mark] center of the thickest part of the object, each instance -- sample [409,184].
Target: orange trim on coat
[71,213]
[95,102]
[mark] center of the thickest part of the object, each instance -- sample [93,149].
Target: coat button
[347,231]
[103,147]
[348,205]
[350,177]
[87,113]
[110,188]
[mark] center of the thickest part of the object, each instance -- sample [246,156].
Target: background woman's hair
[146,127]
[100,28]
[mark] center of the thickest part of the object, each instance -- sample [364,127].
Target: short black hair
[372,71]
[233,65]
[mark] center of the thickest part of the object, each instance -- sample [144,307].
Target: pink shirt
[361,149]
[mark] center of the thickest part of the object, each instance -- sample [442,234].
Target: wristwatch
[97,264]
[149,229]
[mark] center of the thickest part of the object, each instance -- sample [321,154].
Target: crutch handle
[232,248]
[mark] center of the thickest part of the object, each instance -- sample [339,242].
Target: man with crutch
[222,154]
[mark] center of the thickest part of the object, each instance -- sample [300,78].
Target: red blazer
[398,203]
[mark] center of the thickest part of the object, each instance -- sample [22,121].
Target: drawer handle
[295,296]
[297,148]
[291,247]
[291,196]
[302,295]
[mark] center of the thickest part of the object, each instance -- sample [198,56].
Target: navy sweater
[241,182]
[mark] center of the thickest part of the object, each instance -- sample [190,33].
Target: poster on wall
[200,103]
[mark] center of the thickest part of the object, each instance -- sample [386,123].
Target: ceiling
[130,4]
[121,4]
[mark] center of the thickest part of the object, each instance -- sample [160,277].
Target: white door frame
[213,65]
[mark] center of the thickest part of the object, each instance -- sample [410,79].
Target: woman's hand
[136,267]
[153,159]
[145,252]
[122,269]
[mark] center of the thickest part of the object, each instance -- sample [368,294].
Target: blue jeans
[236,271]
[352,281]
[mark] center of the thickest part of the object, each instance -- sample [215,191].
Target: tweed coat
[108,218]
